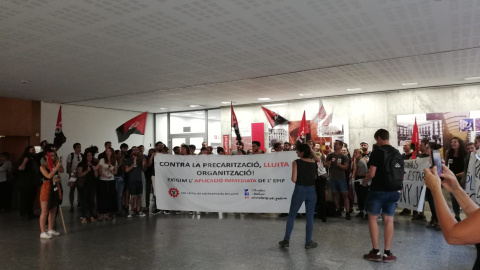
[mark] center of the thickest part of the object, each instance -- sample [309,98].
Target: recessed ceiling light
[185,114]
[194,106]
[264,98]
[409,83]
[303,95]
[472,78]
[199,113]
[227,102]
[354,89]
[212,117]
[163,108]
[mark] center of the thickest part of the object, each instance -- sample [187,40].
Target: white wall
[89,126]
[366,113]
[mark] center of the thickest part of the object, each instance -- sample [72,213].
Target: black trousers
[361,192]
[429,199]
[26,199]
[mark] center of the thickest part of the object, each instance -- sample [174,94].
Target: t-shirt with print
[335,172]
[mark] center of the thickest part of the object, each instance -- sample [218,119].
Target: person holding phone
[456,232]
[50,193]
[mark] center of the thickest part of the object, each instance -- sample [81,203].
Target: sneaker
[141,214]
[347,216]
[131,214]
[388,258]
[156,212]
[190,213]
[310,245]
[284,243]
[419,217]
[45,235]
[405,212]
[53,233]
[372,256]
[359,214]
[166,212]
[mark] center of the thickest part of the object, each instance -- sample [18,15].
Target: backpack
[394,169]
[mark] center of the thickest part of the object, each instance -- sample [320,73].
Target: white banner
[413,193]
[472,183]
[253,183]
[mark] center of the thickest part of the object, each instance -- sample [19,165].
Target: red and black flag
[135,125]
[303,130]
[273,118]
[59,138]
[415,139]
[235,125]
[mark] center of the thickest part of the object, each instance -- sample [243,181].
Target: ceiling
[145,55]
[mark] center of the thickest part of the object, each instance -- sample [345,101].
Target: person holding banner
[456,232]
[51,192]
[304,175]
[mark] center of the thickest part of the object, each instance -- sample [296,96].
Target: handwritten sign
[413,193]
[472,183]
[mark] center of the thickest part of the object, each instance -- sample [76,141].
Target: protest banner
[413,192]
[472,182]
[210,183]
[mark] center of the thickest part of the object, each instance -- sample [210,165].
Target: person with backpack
[72,162]
[386,173]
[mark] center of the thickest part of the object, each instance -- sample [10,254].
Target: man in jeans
[379,199]
[339,163]
[135,166]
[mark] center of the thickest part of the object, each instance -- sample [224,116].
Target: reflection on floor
[234,241]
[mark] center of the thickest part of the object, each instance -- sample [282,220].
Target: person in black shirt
[304,174]
[455,160]
[380,199]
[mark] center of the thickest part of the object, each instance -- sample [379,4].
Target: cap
[364,142]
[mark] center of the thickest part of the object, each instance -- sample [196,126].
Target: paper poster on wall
[477,124]
[466,125]
[438,128]
[277,134]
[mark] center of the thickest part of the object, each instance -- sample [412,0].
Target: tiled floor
[236,241]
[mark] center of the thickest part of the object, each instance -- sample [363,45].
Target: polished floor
[232,241]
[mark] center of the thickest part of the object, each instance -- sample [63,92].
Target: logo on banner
[247,194]
[173,192]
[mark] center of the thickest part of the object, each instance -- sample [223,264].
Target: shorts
[135,187]
[45,190]
[338,185]
[382,202]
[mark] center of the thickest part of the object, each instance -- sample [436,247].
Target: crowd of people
[111,183]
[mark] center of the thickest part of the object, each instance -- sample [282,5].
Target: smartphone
[437,161]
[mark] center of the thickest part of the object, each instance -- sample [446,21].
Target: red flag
[235,125]
[321,113]
[273,118]
[303,130]
[415,139]
[135,125]
[59,138]
[328,121]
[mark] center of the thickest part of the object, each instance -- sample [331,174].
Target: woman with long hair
[455,161]
[51,191]
[87,174]
[106,191]
[360,170]
[304,175]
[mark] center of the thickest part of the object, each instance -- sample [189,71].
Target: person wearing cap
[365,152]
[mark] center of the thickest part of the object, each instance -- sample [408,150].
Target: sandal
[92,219]
[84,221]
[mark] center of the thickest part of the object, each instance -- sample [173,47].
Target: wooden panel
[21,118]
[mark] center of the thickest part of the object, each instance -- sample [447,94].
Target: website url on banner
[269,198]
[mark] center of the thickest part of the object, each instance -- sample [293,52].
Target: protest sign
[472,182]
[413,192]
